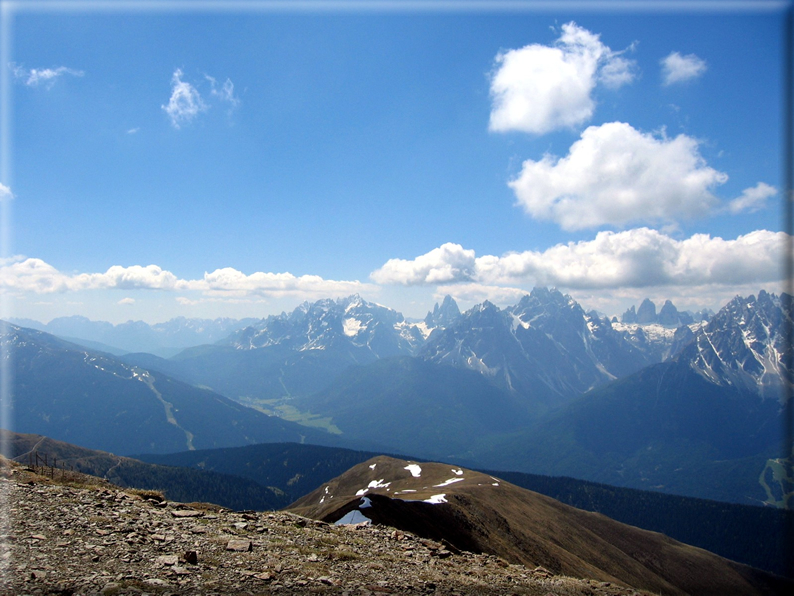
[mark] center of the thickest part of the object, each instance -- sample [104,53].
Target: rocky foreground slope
[81,536]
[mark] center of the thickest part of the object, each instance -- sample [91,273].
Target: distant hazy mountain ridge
[93,399]
[137,336]
[668,316]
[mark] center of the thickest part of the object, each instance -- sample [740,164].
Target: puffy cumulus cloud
[752,199]
[643,258]
[5,192]
[136,277]
[537,88]
[29,275]
[447,264]
[637,258]
[185,102]
[37,276]
[124,301]
[614,175]
[45,77]
[678,69]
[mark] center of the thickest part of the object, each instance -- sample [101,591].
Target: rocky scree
[78,538]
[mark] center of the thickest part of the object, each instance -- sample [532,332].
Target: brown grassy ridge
[485,514]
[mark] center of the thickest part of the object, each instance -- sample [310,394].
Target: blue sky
[402,155]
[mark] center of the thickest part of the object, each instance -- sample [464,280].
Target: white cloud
[30,275]
[136,277]
[225,92]
[447,264]
[185,102]
[615,175]
[233,282]
[126,301]
[752,199]
[43,76]
[617,71]
[5,192]
[537,88]
[678,69]
[636,258]
[37,276]
[133,131]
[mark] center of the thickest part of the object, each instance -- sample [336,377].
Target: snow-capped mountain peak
[744,345]
[545,346]
[344,323]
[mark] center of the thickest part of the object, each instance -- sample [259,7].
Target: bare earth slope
[475,512]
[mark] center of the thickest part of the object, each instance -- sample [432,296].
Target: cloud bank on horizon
[637,258]
[30,275]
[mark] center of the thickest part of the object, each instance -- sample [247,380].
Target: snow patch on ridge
[352,327]
[517,322]
[448,482]
[415,470]
[373,484]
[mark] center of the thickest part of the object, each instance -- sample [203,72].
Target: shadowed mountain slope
[295,469]
[409,405]
[177,484]
[73,394]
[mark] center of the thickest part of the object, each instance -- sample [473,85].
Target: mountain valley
[665,401]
